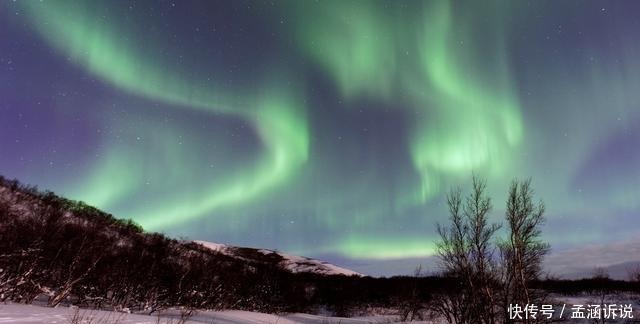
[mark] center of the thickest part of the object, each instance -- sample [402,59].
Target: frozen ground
[30,314]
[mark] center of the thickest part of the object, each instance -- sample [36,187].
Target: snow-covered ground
[31,314]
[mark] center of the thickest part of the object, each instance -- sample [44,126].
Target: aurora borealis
[330,129]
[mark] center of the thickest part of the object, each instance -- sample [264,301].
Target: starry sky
[330,129]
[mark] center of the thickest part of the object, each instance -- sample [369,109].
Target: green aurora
[341,133]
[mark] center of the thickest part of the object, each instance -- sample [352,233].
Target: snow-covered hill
[289,262]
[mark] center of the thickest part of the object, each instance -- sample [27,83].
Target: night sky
[330,129]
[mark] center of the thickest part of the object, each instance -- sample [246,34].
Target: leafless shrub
[413,307]
[181,318]
[83,316]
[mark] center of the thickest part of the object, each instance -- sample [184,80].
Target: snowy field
[30,314]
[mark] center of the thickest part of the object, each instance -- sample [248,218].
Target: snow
[296,264]
[213,246]
[292,263]
[31,314]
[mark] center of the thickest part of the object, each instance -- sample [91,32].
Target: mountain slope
[293,263]
[69,252]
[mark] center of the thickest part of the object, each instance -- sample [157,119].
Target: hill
[292,263]
[68,252]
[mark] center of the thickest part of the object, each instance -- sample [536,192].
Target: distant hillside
[619,271]
[70,252]
[293,263]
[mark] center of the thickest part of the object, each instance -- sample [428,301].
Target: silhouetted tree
[487,284]
[523,250]
[466,255]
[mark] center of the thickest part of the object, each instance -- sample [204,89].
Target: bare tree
[413,307]
[634,273]
[600,273]
[466,255]
[522,252]
[488,284]
[602,294]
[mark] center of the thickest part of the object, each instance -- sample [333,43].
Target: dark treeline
[68,252]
